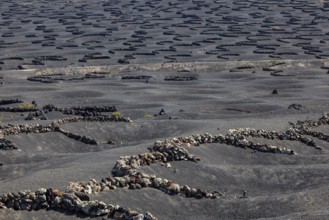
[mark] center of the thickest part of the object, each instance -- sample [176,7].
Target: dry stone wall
[127,171]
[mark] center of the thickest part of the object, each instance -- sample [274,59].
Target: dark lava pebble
[9,101]
[180,78]
[6,144]
[123,61]
[295,106]
[136,77]
[51,58]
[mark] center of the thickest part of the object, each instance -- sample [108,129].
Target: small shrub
[26,106]
[148,115]
[116,114]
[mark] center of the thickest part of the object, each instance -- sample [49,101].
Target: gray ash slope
[190,98]
[35,34]
[277,185]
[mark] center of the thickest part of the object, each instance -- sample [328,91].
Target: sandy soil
[39,33]
[256,64]
[277,185]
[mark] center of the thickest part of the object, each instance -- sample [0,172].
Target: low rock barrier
[70,202]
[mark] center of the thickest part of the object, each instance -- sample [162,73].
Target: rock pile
[70,202]
[18,129]
[304,128]
[51,58]
[17,109]
[102,118]
[93,56]
[36,115]
[9,101]
[54,127]
[139,180]
[23,107]
[94,76]
[169,150]
[309,124]
[7,144]
[81,111]
[318,135]
[78,137]
[91,113]
[290,134]
[180,78]
[125,172]
[135,77]
[43,79]
[54,78]
[83,114]
[237,137]
[233,137]
[160,153]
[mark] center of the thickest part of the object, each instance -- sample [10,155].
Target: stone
[22,193]
[82,196]
[95,208]
[138,186]
[121,182]
[97,188]
[56,192]
[132,186]
[216,194]
[193,192]
[187,190]
[2,206]
[174,188]
[138,217]
[88,190]
[41,199]
[165,182]
[162,112]
[41,191]
[113,187]
[158,143]
[9,203]
[120,168]
[157,182]
[149,216]
[118,215]
[67,203]
[111,180]
[134,164]
[16,205]
[57,201]
[25,206]
[144,175]
[146,182]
